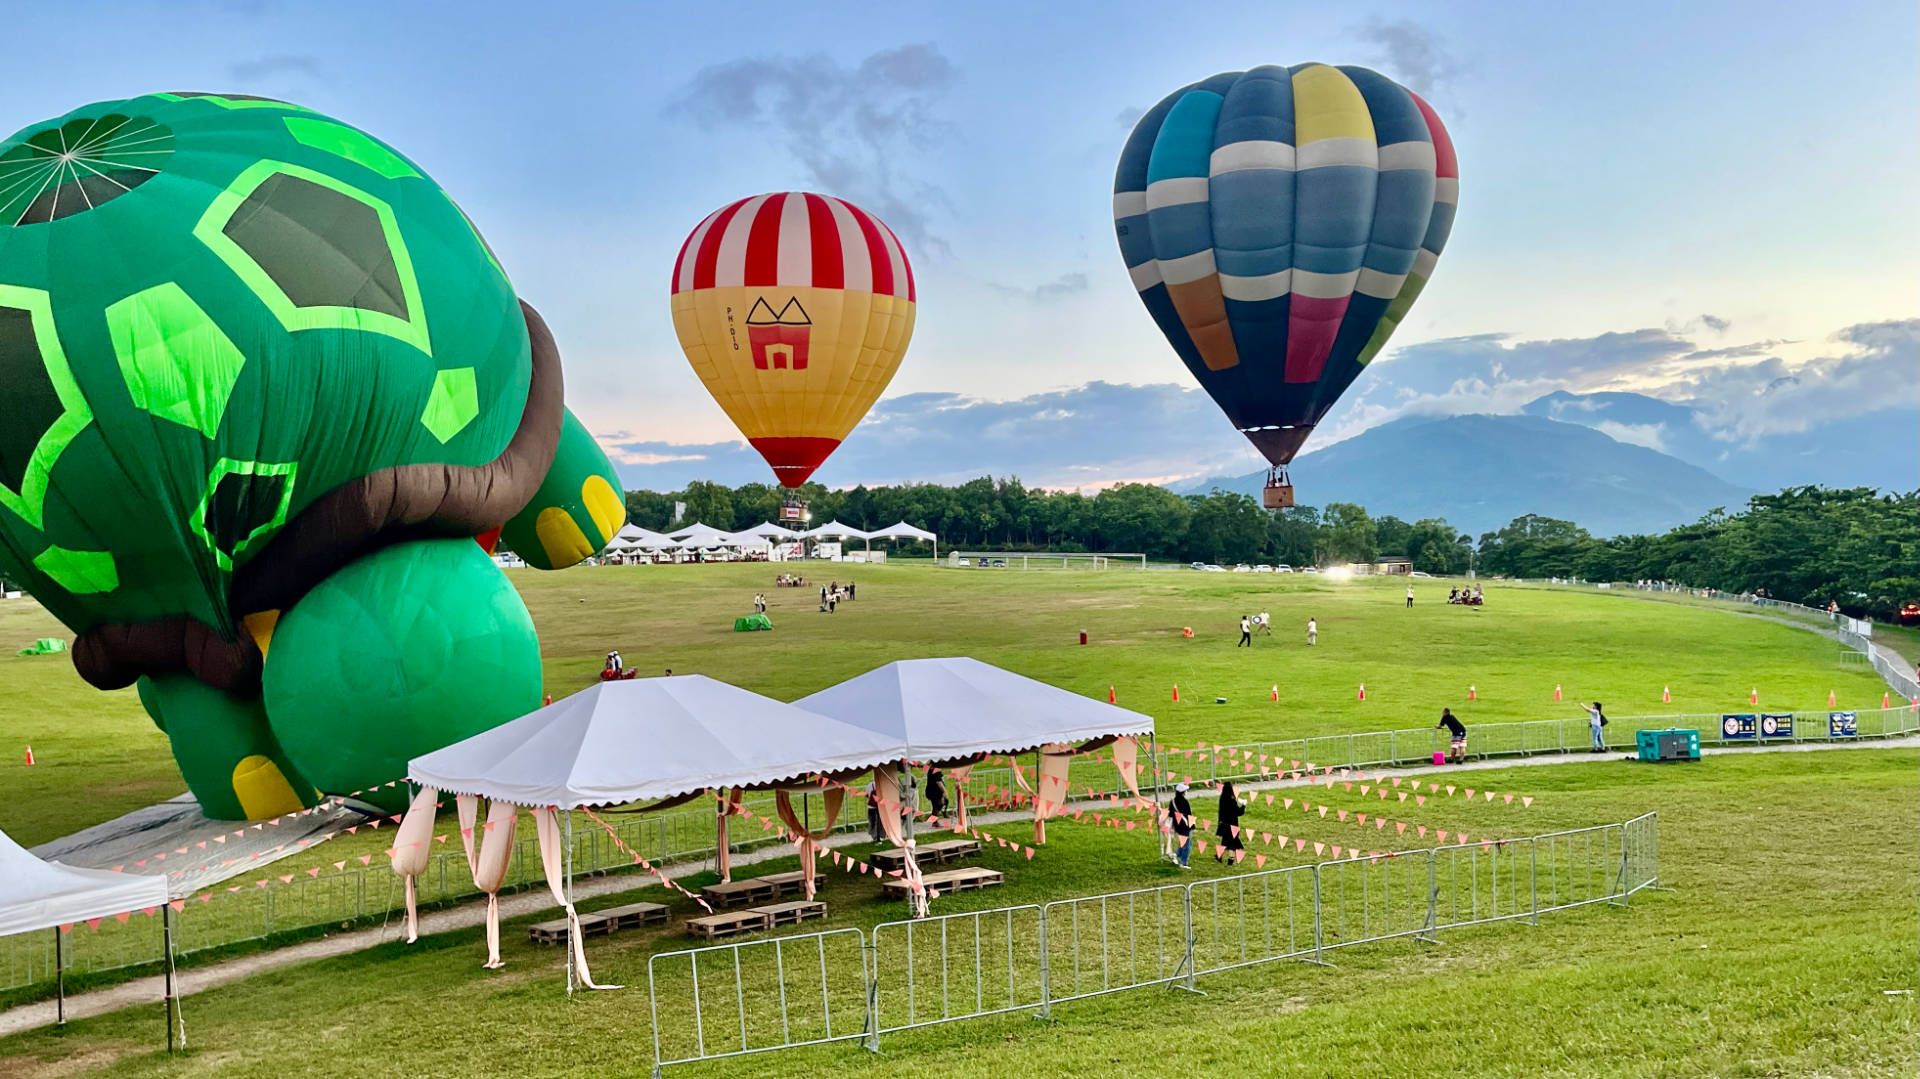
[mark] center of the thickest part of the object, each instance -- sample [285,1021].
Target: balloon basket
[1277,496]
[793,510]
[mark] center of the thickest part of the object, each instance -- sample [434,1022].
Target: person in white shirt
[1313,631]
[1246,632]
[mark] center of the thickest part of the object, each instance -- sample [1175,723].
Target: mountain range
[1480,471]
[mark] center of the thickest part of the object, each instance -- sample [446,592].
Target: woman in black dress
[1228,828]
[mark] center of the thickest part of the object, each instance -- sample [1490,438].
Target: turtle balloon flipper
[577,510]
[226,751]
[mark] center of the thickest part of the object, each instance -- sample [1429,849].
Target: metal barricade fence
[1253,918]
[958,966]
[759,995]
[732,999]
[1123,940]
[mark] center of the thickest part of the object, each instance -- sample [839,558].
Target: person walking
[1246,632]
[1409,597]
[1231,849]
[936,794]
[1457,732]
[1265,622]
[1313,631]
[1180,815]
[874,831]
[1597,719]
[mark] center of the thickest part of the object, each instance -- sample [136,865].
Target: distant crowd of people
[1467,597]
[831,595]
[789,580]
[1262,623]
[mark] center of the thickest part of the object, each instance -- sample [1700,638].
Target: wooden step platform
[600,922]
[793,913]
[948,850]
[740,892]
[793,883]
[730,923]
[949,880]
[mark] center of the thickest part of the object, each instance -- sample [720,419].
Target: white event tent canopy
[835,530]
[667,740]
[905,531]
[635,538]
[701,535]
[771,531]
[37,895]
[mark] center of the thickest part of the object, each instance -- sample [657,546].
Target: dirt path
[142,992]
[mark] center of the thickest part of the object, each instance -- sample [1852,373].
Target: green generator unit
[1672,744]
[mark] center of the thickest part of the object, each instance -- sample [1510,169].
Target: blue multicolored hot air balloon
[1278,223]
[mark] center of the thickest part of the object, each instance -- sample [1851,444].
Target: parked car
[1197,565]
[1309,569]
[1216,569]
[965,562]
[999,563]
[1283,568]
[1243,568]
[1910,614]
[1263,568]
[1421,574]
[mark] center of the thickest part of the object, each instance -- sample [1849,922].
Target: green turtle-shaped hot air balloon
[262,385]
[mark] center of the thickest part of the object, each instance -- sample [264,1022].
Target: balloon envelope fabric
[1278,223]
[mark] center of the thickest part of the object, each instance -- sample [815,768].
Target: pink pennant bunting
[1259,861]
[1299,844]
[1400,827]
[1506,799]
[1442,834]
[1319,849]
[1526,801]
[1469,792]
[1030,853]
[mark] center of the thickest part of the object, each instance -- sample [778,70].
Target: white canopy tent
[635,538]
[665,740]
[645,739]
[939,709]
[699,535]
[835,530]
[37,895]
[771,531]
[905,531]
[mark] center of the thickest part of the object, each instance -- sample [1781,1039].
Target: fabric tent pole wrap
[725,806]
[59,979]
[489,867]
[558,870]
[410,853]
[887,777]
[831,797]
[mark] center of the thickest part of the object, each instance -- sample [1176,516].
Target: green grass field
[99,756]
[1794,905]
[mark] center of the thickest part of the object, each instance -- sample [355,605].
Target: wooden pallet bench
[792,913]
[793,883]
[730,923]
[949,880]
[611,920]
[947,850]
[740,892]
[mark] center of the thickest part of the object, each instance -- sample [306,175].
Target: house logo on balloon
[779,342]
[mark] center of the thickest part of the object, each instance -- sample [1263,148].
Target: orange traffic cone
[1363,691]
[1666,694]
[1556,691]
[1886,701]
[549,698]
[29,756]
[1112,698]
[1830,699]
[1274,694]
[1176,693]
[1753,697]
[1473,694]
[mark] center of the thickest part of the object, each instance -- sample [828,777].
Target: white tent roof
[633,537]
[834,529]
[903,530]
[648,738]
[945,708]
[701,535]
[771,531]
[41,895]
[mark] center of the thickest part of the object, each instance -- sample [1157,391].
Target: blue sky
[1734,176]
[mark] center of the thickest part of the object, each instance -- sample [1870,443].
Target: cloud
[1087,436]
[1650,435]
[1873,371]
[1067,284]
[1412,54]
[850,128]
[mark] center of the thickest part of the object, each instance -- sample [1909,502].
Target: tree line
[1806,544]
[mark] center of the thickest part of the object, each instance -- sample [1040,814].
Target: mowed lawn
[1785,947]
[99,756]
